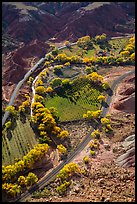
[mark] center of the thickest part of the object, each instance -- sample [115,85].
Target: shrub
[105,85]
[86,160]
[88,70]
[8,124]
[105,121]
[101,98]
[56,82]
[68,170]
[61,149]
[92,152]
[40,90]
[63,187]
[63,134]
[67,64]
[95,134]
[49,89]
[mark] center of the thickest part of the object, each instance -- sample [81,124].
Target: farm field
[17,142]
[68,110]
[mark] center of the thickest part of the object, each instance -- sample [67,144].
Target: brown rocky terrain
[65,20]
[18,62]
[125,96]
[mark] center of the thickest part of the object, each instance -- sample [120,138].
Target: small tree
[31,179]
[30,80]
[11,110]
[8,124]
[67,64]
[88,70]
[40,90]
[56,82]
[63,134]
[101,98]
[22,180]
[95,134]
[86,160]
[105,85]
[62,149]
[49,89]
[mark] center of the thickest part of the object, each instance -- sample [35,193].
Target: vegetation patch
[18,142]
[85,98]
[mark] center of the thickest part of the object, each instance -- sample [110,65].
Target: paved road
[78,149]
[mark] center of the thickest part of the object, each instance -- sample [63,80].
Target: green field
[17,143]
[68,110]
[117,45]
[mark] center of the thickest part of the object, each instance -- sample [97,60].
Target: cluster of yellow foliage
[45,121]
[62,57]
[100,38]
[63,134]
[84,41]
[95,77]
[129,50]
[95,134]
[49,89]
[85,159]
[106,124]
[61,149]
[10,172]
[101,98]
[92,114]
[68,170]
[40,90]
[11,110]
[24,106]
[94,145]
[63,187]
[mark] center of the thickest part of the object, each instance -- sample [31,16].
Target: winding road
[45,180]
[14,94]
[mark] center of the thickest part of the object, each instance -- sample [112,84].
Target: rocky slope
[16,63]
[125,100]
[65,20]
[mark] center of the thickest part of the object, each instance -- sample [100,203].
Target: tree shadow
[110,134]
[104,104]
[23,118]
[109,92]
[9,135]
[14,123]
[33,188]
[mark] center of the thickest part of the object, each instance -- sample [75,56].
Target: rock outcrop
[128,158]
[28,21]
[18,62]
[126,96]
